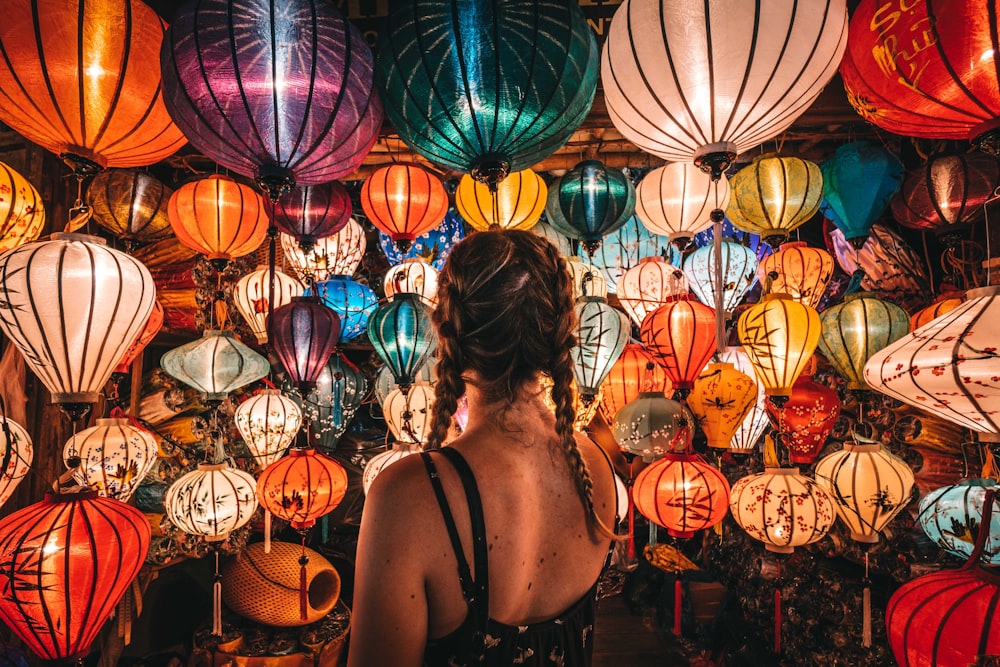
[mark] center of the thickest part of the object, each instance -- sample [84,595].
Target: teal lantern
[856,329]
[486,87]
[333,402]
[952,518]
[589,202]
[351,300]
[215,364]
[859,181]
[601,334]
[401,332]
[625,248]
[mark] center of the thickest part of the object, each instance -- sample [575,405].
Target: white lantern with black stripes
[677,201]
[252,295]
[211,501]
[114,456]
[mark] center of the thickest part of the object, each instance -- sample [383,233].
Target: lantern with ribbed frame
[302,487]
[739,273]
[952,515]
[17,450]
[721,398]
[268,422]
[211,501]
[797,270]
[806,419]
[774,195]
[114,456]
[750,430]
[22,214]
[856,329]
[403,336]
[935,310]
[131,204]
[779,336]
[680,336]
[404,201]
[251,294]
[412,275]
[67,561]
[652,425]
[215,364]
[649,285]
[782,508]
[304,334]
[218,217]
[310,212]
[587,279]
[681,493]
[152,327]
[634,372]
[336,255]
[386,382]
[677,199]
[353,302]
[408,415]
[517,202]
[601,333]
[589,202]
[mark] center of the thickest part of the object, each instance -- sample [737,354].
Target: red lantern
[148,333]
[404,201]
[302,487]
[680,336]
[304,334]
[681,493]
[65,563]
[806,419]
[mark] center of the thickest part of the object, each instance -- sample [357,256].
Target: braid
[449,386]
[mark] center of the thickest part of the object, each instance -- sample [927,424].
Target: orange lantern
[22,215]
[302,487]
[404,201]
[680,336]
[517,203]
[218,217]
[721,398]
[935,310]
[681,493]
[797,270]
[634,373]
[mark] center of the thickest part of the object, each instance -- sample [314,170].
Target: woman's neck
[527,412]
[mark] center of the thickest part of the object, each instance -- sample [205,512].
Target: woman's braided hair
[505,311]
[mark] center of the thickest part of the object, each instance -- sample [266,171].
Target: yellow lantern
[721,398]
[856,329]
[517,203]
[797,270]
[648,285]
[779,336]
[22,215]
[775,195]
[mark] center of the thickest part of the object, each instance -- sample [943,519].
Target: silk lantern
[651,426]
[589,202]
[286,97]
[782,508]
[218,217]
[798,270]
[774,195]
[380,462]
[587,280]
[676,201]
[268,422]
[385,381]
[890,265]
[856,329]
[152,327]
[131,204]
[648,285]
[82,80]
[952,517]
[16,454]
[252,295]
[935,310]
[779,336]
[304,334]
[336,255]
[738,275]
[806,419]
[340,390]
[67,561]
[408,415]
[310,212]
[412,275]
[549,233]
[680,336]
[433,247]
[681,493]
[516,202]
[400,330]
[633,373]
[211,501]
[404,201]
[721,398]
[22,213]
[301,487]
[215,364]
[601,333]
[621,250]
[483,88]
[859,181]
[114,456]
[750,430]
[352,301]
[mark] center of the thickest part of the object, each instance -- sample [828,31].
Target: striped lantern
[681,493]
[131,204]
[403,336]
[380,462]
[304,334]
[952,515]
[311,212]
[268,422]
[856,329]
[218,217]
[680,336]
[115,456]
[634,372]
[935,310]
[517,202]
[648,285]
[17,450]
[22,213]
[145,337]
[211,501]
[721,399]
[755,423]
[302,487]
[739,273]
[339,392]
[782,509]
[601,333]
[412,275]
[385,382]
[408,415]
[779,336]
[676,201]
[589,202]
[336,255]
[404,201]
[587,279]
[215,364]
[797,270]
[251,294]
[775,195]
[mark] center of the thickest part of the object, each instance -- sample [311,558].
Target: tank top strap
[464,574]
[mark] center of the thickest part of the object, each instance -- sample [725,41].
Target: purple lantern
[304,335]
[311,212]
[277,91]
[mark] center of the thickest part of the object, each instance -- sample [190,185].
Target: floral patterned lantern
[634,372]
[17,451]
[951,517]
[432,247]
[779,336]
[782,508]
[587,279]
[721,399]
[859,181]
[310,212]
[676,201]
[252,296]
[412,275]
[114,456]
[806,419]
[402,334]
[302,487]
[218,217]
[856,329]
[211,501]
[621,250]
[131,204]
[268,422]
[215,364]
[517,202]
[680,336]
[404,201]
[304,335]
[738,275]
[380,462]
[681,493]
[589,202]
[651,426]
[352,301]
[409,415]
[891,267]
[22,215]
[601,334]
[797,270]
[649,285]
[336,255]
[339,392]
[775,195]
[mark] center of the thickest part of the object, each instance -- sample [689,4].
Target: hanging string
[866,600]
[272,251]
[303,588]
[720,312]
[217,598]
[631,518]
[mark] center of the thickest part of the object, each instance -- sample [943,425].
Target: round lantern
[738,275]
[782,509]
[589,202]
[380,462]
[621,250]
[516,202]
[385,381]
[951,516]
[17,452]
[935,310]
[409,415]
[648,285]
[22,214]
[651,426]
[114,457]
[131,204]
[211,501]
[412,275]
[215,364]
[587,279]
[82,80]
[352,301]
[859,181]
[775,195]
[153,325]
[218,217]
[663,81]
[680,336]
[681,493]
[806,419]
[67,561]
[634,372]
[73,307]
[302,487]
[339,392]
[304,334]
[404,201]
[282,96]
[779,336]
[252,296]
[677,200]
[601,333]
[856,329]
[310,212]
[797,270]
[268,422]
[948,366]
[522,81]
[432,247]
[721,399]
[403,336]
[869,485]
[549,233]
[336,255]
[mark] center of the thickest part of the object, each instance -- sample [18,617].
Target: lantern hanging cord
[79,214]
[986,222]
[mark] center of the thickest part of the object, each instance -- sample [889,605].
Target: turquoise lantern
[486,87]
[590,201]
[859,181]
[952,517]
[215,364]
[333,402]
[351,300]
[401,332]
[432,247]
[624,248]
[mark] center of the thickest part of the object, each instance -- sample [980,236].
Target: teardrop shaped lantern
[859,181]
[336,255]
[621,250]
[721,398]
[738,275]
[114,457]
[677,200]
[779,336]
[73,306]
[952,516]
[304,334]
[218,217]
[651,426]
[286,97]
[485,88]
[302,487]
[402,334]
[798,270]
[340,390]
[82,79]
[412,275]
[311,212]
[587,279]
[380,462]
[152,327]
[215,364]
[680,336]
[681,493]
[22,213]
[935,310]
[17,453]
[856,329]
[268,422]
[806,419]
[408,415]
[774,195]
[131,204]
[433,247]
[589,202]
[648,285]
[252,296]
[404,201]
[601,333]
[517,202]
[782,509]
[635,372]
[67,561]
[211,501]
[352,301]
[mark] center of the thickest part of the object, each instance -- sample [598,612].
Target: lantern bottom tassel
[678,606]
[631,524]
[866,599]
[303,588]
[777,620]
[217,600]
[267,531]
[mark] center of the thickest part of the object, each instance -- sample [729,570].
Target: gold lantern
[935,310]
[779,336]
[517,203]
[22,215]
[856,329]
[721,398]
[797,270]
[774,195]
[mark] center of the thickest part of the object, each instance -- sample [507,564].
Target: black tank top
[564,640]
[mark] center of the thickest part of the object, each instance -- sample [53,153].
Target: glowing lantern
[775,195]
[337,255]
[409,415]
[680,336]
[302,487]
[779,336]
[589,202]
[311,212]
[587,280]
[601,334]
[215,364]
[145,337]
[754,424]
[676,201]
[67,562]
[739,273]
[131,204]
[285,96]
[268,422]
[251,294]
[859,181]
[380,462]
[721,398]
[330,406]
[385,381]
[649,285]
[432,247]
[82,80]
[634,372]
[402,334]
[16,450]
[869,484]
[621,250]
[797,270]
[404,201]
[681,493]
[935,310]
[651,426]
[516,202]
[22,215]
[114,457]
[304,333]
[218,217]
[521,82]
[547,232]
[951,516]
[806,419]
[856,329]
[352,301]
[412,275]
[211,501]
[890,265]
[782,509]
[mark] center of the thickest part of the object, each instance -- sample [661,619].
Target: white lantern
[212,501]
[114,457]
[16,449]
[380,462]
[588,280]
[648,285]
[385,383]
[268,422]
[782,509]
[409,415]
[215,364]
[412,275]
[739,274]
[250,294]
[601,333]
[677,201]
[336,255]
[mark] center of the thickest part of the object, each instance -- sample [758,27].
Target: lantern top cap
[781,471]
[225,333]
[862,449]
[79,238]
[112,421]
[210,467]
[860,295]
[980,292]
[794,244]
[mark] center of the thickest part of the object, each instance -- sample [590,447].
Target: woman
[520,587]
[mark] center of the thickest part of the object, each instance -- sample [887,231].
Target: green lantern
[601,334]
[589,202]
[216,364]
[483,86]
[856,329]
[402,335]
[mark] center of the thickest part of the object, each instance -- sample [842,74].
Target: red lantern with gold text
[633,373]
[66,562]
[218,217]
[681,493]
[404,201]
[806,419]
[680,336]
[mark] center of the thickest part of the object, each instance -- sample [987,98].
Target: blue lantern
[432,247]
[753,241]
[622,249]
[951,518]
[859,181]
[402,335]
[351,300]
